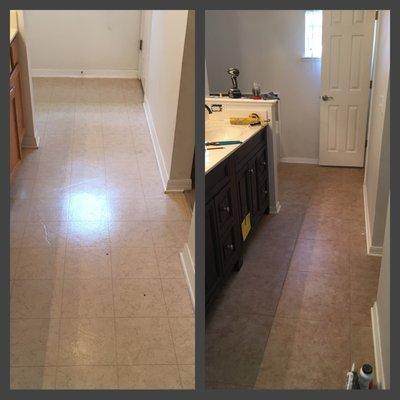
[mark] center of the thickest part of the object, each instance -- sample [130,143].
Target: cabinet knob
[264,163]
[251,171]
[226,209]
[230,246]
[265,192]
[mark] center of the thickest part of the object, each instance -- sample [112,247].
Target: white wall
[184,138]
[76,40]
[382,308]
[377,176]
[163,90]
[188,259]
[267,47]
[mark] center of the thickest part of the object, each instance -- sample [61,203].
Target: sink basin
[217,133]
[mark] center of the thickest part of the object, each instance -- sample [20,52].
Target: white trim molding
[275,209]
[85,73]
[170,185]
[31,142]
[156,144]
[379,371]
[371,250]
[189,271]
[299,160]
[178,185]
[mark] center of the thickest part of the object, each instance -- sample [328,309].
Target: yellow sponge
[252,119]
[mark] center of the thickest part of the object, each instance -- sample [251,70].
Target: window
[313,34]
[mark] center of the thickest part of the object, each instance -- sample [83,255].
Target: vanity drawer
[248,149]
[217,178]
[225,208]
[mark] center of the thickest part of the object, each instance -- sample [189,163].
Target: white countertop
[216,130]
[244,100]
[13,32]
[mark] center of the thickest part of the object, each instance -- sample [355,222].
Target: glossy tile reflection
[98,297]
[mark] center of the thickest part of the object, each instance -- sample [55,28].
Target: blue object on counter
[223,142]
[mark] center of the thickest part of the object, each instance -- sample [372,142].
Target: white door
[347,40]
[145,31]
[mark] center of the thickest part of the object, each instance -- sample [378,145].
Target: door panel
[347,38]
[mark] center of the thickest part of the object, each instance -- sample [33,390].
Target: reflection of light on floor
[88,206]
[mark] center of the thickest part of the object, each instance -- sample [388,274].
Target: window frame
[306,54]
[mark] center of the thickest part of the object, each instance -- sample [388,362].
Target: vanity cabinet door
[243,189]
[262,163]
[252,179]
[15,82]
[230,245]
[263,195]
[224,205]
[213,272]
[15,154]
[261,186]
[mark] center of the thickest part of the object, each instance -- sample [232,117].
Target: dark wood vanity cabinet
[236,187]
[213,272]
[17,121]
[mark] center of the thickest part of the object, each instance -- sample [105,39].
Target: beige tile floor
[98,297]
[297,314]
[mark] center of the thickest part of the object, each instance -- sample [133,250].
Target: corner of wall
[371,250]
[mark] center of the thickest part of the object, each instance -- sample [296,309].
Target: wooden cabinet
[213,272]
[235,188]
[17,121]
[15,152]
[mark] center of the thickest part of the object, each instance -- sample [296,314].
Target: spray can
[365,377]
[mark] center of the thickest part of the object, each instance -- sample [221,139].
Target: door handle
[326,98]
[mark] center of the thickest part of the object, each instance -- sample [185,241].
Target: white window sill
[310,58]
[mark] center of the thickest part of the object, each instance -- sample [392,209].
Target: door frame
[145,34]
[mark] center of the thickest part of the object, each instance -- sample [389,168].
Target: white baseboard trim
[379,372]
[178,185]
[87,73]
[299,160]
[275,209]
[31,142]
[189,271]
[371,250]
[156,145]
[170,185]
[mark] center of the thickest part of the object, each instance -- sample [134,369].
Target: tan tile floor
[297,314]
[98,297]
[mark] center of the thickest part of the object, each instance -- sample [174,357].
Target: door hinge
[140,44]
[370,84]
[376,15]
